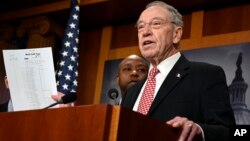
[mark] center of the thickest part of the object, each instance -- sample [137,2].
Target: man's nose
[147,30]
[134,72]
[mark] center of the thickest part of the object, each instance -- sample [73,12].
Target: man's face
[157,33]
[131,71]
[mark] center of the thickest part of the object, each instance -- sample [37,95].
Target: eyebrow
[127,65]
[155,18]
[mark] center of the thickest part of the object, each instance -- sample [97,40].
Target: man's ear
[6,82]
[117,79]
[177,34]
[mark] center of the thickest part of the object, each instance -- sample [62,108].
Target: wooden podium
[83,123]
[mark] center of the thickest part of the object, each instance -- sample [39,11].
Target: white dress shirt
[164,67]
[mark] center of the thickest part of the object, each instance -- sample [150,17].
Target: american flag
[67,65]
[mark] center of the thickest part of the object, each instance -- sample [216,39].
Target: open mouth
[147,42]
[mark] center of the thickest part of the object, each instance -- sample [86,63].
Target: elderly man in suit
[188,95]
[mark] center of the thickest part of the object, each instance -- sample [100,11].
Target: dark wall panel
[226,20]
[88,64]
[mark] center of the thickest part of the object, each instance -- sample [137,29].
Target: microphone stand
[52,105]
[117,101]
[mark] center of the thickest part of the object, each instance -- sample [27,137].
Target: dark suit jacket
[4,107]
[200,94]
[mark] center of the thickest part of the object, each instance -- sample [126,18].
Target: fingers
[177,121]
[64,105]
[60,94]
[186,130]
[189,128]
[195,130]
[58,97]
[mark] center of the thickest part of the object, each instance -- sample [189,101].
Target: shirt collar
[166,65]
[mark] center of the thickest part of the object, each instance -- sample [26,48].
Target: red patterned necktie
[148,93]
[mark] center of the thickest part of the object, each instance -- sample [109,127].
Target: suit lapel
[178,72]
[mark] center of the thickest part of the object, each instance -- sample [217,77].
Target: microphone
[68,98]
[113,94]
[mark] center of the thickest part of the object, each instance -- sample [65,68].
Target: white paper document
[31,77]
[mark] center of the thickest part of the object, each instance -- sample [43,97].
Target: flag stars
[75,17]
[62,63]
[77,40]
[67,77]
[72,25]
[77,8]
[73,58]
[65,86]
[70,67]
[64,54]
[67,66]
[75,82]
[75,49]
[59,73]
[67,44]
[70,35]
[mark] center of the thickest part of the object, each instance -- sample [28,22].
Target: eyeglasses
[154,24]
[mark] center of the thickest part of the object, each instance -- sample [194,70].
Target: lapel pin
[178,75]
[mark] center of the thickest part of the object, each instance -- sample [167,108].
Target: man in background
[131,70]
